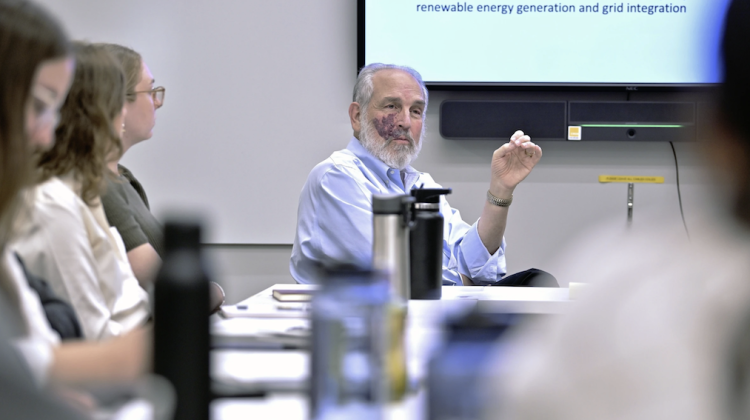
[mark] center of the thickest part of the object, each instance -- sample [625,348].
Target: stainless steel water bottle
[426,244]
[391,225]
[390,240]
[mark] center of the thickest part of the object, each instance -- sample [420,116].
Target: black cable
[679,195]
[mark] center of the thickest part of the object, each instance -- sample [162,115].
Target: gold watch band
[500,202]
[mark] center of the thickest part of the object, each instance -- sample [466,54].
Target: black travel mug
[426,244]
[181,325]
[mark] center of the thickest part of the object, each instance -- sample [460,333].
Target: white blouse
[73,248]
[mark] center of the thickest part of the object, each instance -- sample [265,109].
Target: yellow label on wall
[633,179]
[574,132]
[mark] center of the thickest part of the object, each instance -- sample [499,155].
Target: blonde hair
[85,137]
[131,63]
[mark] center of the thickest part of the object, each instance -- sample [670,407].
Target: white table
[295,407]
[535,300]
[285,372]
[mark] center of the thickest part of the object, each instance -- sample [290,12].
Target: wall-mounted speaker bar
[500,119]
[663,113]
[593,121]
[636,133]
[633,121]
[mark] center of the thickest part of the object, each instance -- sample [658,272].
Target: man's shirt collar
[379,168]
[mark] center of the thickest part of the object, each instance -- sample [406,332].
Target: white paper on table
[250,333]
[250,371]
[267,310]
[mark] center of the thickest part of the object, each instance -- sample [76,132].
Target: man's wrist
[501,192]
[499,202]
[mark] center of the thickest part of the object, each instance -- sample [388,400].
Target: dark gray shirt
[126,206]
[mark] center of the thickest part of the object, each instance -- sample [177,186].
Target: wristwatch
[500,202]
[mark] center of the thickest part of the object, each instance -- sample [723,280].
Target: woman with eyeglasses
[125,201]
[36,69]
[66,238]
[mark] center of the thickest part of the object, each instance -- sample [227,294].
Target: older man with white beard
[334,219]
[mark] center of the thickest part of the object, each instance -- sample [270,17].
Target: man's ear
[354,115]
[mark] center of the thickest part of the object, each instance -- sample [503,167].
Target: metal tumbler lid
[390,203]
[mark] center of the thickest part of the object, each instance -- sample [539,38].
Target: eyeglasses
[46,109]
[157,94]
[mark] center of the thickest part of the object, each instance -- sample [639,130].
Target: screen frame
[546,87]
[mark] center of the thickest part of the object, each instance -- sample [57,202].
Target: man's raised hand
[512,163]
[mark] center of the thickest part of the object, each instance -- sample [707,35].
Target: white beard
[397,156]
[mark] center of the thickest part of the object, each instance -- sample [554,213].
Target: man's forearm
[491,226]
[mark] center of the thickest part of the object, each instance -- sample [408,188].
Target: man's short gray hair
[363,88]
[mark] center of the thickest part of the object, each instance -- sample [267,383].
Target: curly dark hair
[85,137]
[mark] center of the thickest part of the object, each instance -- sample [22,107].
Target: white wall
[257,93]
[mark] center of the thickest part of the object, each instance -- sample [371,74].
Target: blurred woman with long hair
[66,238]
[36,70]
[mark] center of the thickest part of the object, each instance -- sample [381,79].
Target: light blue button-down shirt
[334,219]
